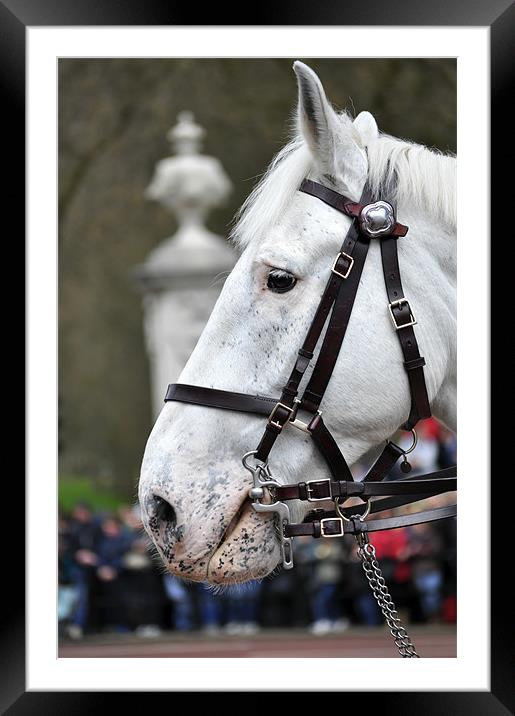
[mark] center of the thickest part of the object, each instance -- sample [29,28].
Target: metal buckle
[309,490]
[331,519]
[305,427]
[412,320]
[292,413]
[351,264]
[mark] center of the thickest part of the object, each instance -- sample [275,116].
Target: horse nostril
[164,512]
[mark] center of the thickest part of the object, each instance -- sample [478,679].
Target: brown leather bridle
[334,311]
[338,300]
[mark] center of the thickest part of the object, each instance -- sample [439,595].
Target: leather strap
[357,247]
[429,484]
[400,311]
[390,503]
[329,449]
[342,203]
[223,399]
[339,296]
[334,311]
[337,527]
[328,490]
[384,463]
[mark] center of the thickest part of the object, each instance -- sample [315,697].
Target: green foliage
[73,489]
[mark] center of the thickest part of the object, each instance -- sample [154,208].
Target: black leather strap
[339,297]
[342,203]
[329,450]
[336,526]
[225,400]
[356,247]
[384,463]
[429,484]
[400,311]
[334,311]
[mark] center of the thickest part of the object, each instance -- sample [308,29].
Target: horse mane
[426,177]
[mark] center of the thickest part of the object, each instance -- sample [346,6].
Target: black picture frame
[499,15]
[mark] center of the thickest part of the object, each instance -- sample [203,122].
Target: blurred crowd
[111,581]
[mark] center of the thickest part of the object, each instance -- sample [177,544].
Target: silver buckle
[351,264]
[309,490]
[331,519]
[300,424]
[292,413]
[412,320]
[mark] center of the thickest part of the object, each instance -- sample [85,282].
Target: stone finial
[186,136]
[189,185]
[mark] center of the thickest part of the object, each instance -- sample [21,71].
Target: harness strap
[262,405]
[314,490]
[404,320]
[356,246]
[338,296]
[223,399]
[333,310]
[342,203]
[337,527]
[329,449]
[386,503]
[286,405]
[384,463]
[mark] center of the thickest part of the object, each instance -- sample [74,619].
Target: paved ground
[429,641]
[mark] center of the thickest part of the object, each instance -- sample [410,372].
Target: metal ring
[363,516]
[412,446]
[246,458]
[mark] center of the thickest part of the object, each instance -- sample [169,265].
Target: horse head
[193,490]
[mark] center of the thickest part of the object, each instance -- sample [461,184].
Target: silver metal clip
[262,478]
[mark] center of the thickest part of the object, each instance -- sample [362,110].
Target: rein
[371,220]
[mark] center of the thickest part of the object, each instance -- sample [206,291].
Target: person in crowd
[447,448]
[82,537]
[447,532]
[113,543]
[143,589]
[67,592]
[283,598]
[183,606]
[325,598]
[211,610]
[242,604]
[425,553]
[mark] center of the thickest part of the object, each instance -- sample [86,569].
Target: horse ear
[334,142]
[367,127]
[317,120]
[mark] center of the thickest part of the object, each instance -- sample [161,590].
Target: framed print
[42,47]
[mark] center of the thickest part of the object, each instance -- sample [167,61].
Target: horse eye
[280,281]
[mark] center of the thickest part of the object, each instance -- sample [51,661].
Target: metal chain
[376,581]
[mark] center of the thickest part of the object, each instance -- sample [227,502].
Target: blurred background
[155,157]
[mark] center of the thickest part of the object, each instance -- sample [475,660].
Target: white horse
[193,489]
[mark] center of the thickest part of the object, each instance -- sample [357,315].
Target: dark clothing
[82,535]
